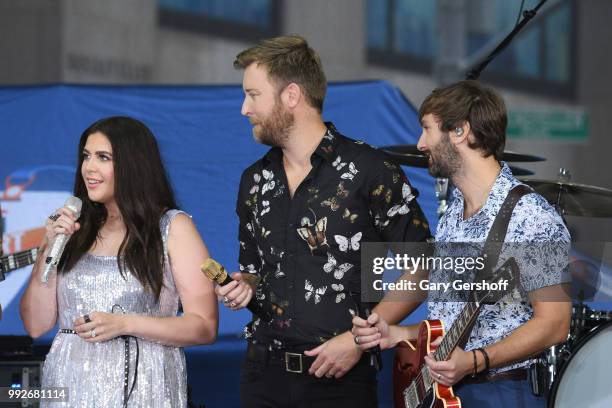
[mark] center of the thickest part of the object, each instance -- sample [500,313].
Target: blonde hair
[289,59]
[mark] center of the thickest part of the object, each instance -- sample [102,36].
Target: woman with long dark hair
[131,258]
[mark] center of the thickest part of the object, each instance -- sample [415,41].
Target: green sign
[548,123]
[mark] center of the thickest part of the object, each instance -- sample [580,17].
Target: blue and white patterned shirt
[533,220]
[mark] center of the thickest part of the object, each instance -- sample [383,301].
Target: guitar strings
[419,376]
[20,257]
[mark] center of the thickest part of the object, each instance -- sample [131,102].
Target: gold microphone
[217,273]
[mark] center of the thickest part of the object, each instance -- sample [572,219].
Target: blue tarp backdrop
[205,143]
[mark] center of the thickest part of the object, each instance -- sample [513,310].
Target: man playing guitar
[463,136]
[12,262]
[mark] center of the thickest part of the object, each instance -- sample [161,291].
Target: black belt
[127,393]
[517,374]
[293,361]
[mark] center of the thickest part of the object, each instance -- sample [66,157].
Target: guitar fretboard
[17,260]
[449,341]
[415,393]
[420,387]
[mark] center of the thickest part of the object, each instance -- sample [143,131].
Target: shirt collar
[329,144]
[326,149]
[503,184]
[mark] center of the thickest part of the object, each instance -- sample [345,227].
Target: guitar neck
[508,273]
[457,330]
[420,387]
[416,392]
[17,260]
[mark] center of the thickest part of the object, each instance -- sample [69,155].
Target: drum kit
[574,373]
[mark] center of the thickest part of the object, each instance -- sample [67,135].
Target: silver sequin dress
[94,372]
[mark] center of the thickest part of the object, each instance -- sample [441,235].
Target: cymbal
[511,156]
[575,199]
[410,150]
[420,160]
[409,159]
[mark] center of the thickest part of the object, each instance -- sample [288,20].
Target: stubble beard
[444,159]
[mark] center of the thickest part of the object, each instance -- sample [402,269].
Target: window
[403,33]
[237,19]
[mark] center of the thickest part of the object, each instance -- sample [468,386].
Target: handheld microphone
[74,205]
[375,353]
[217,273]
[363,311]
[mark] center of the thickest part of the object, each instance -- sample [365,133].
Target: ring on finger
[233,304]
[226,299]
[356,339]
[54,217]
[439,376]
[93,333]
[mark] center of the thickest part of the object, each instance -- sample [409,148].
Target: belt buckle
[289,367]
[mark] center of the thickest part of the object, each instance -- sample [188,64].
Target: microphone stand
[444,185]
[527,16]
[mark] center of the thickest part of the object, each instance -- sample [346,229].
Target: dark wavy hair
[143,194]
[470,101]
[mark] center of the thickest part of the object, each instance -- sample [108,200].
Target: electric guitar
[11,262]
[413,387]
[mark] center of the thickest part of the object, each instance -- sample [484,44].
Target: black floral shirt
[306,249]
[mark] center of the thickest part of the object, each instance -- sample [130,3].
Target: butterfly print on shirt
[345,244]
[312,292]
[403,207]
[332,266]
[315,235]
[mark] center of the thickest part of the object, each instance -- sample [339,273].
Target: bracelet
[475,364]
[486,358]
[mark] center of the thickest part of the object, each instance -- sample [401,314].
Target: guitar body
[412,385]
[407,367]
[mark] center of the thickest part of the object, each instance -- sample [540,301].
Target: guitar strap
[499,229]
[497,235]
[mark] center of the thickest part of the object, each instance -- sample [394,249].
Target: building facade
[557,66]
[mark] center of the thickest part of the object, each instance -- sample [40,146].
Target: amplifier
[19,375]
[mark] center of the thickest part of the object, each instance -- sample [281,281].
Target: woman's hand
[101,326]
[63,221]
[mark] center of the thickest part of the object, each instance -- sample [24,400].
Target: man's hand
[376,331]
[451,371]
[371,332]
[237,294]
[335,357]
